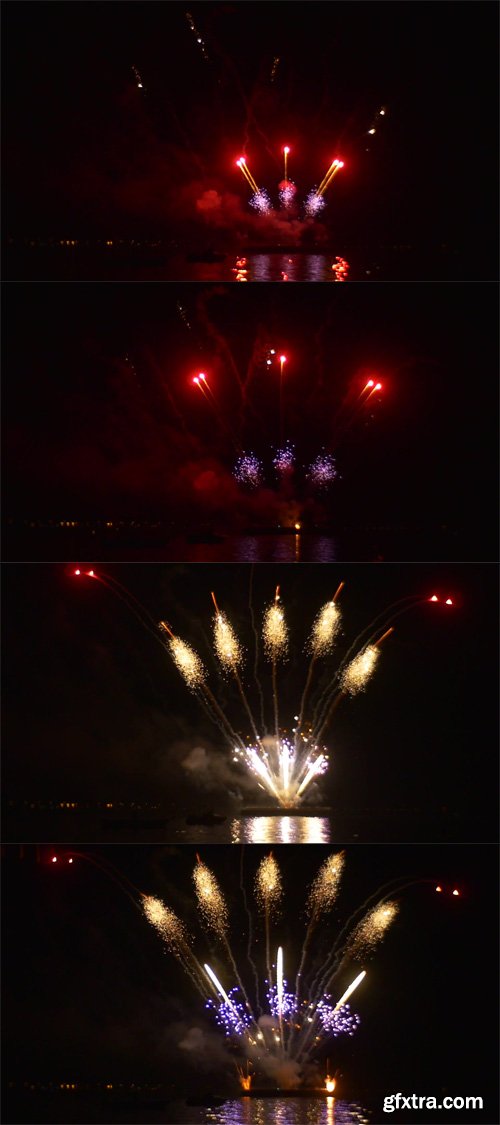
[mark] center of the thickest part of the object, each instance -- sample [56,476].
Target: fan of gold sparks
[285,765]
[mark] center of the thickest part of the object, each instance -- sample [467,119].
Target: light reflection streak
[288,1111]
[281,830]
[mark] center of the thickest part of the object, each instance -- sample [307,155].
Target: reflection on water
[294,267]
[281,830]
[288,1111]
[284,548]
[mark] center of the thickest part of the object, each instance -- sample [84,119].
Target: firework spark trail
[256,653]
[268,890]
[193,673]
[371,930]
[386,616]
[349,991]
[164,391]
[322,895]
[279,992]
[211,901]
[250,933]
[275,636]
[221,719]
[230,654]
[223,349]
[201,382]
[132,603]
[351,943]
[319,1008]
[105,866]
[353,679]
[333,170]
[335,959]
[324,630]
[214,910]
[185,659]
[172,932]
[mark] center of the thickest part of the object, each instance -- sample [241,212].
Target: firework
[138,79]
[325,887]
[274,631]
[323,471]
[349,991]
[248,470]
[226,643]
[284,769]
[371,930]
[340,269]
[287,193]
[333,171]
[360,670]
[198,37]
[286,1026]
[165,922]
[284,766]
[210,899]
[336,1020]
[325,628]
[268,884]
[313,204]
[186,659]
[284,459]
[261,202]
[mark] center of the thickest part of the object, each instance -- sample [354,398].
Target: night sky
[91,994]
[122,123]
[94,708]
[110,159]
[101,417]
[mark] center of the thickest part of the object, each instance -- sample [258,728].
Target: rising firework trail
[292,1027]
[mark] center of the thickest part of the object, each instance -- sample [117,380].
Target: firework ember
[284,459]
[325,628]
[248,470]
[323,471]
[261,202]
[268,884]
[227,645]
[210,899]
[287,193]
[314,204]
[326,885]
[165,922]
[186,660]
[274,631]
[360,670]
[371,929]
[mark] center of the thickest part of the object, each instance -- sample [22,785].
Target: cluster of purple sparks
[249,469]
[236,1018]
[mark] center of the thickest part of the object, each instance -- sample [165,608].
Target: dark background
[89,154]
[95,710]
[91,994]
[102,420]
